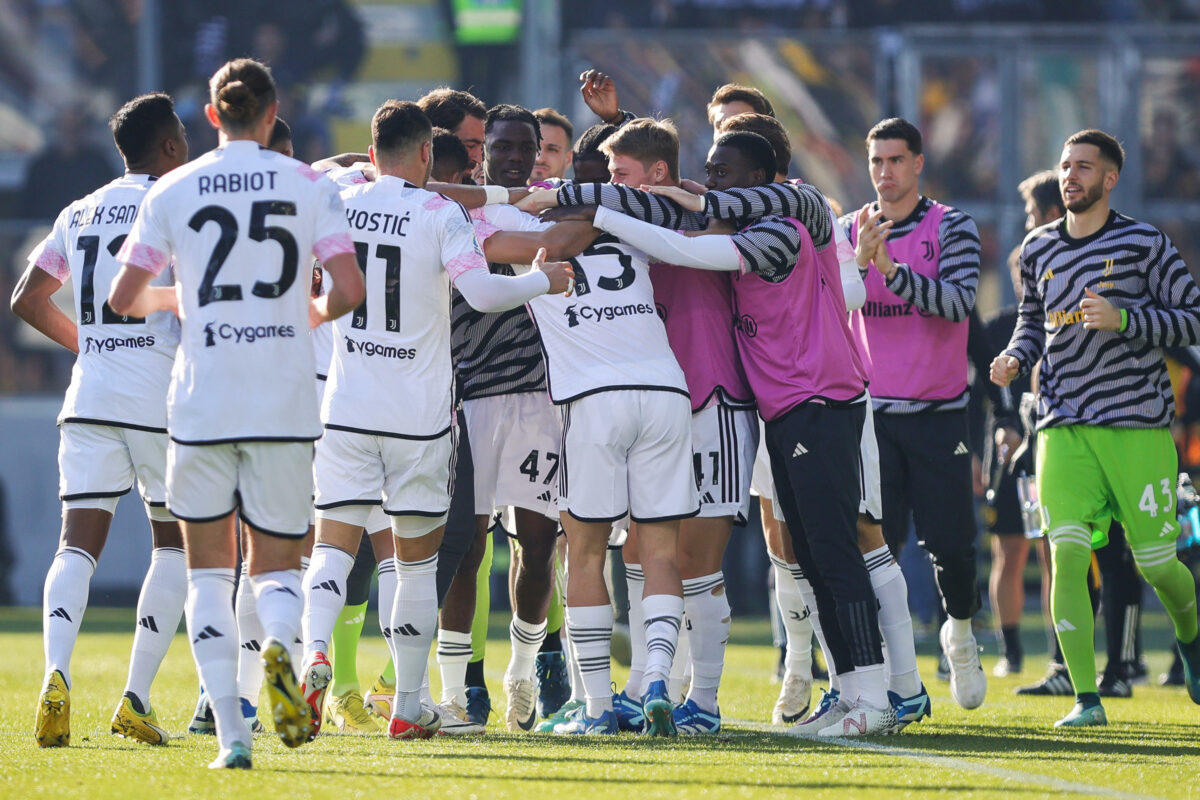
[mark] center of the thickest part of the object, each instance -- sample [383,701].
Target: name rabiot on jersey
[242,222]
[124,365]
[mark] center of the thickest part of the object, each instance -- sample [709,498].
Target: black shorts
[925,469]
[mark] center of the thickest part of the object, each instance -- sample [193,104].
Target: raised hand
[600,93]
[869,246]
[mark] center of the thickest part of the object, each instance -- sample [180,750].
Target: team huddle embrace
[360,363]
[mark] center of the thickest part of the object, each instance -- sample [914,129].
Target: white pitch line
[1015,775]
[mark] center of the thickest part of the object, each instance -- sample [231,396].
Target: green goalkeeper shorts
[1089,475]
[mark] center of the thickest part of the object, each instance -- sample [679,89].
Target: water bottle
[1031,509]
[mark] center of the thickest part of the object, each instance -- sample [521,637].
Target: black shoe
[1113,684]
[1174,675]
[1137,673]
[479,704]
[1057,683]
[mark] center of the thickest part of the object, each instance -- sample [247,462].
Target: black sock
[1011,636]
[475,674]
[1087,699]
[552,643]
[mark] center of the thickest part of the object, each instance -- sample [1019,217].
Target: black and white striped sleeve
[652,208]
[1172,319]
[1029,337]
[769,248]
[951,294]
[803,202]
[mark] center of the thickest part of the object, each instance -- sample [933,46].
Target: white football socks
[591,642]
[64,599]
[414,623]
[796,617]
[664,616]
[212,630]
[810,600]
[706,608]
[159,609]
[526,639]
[279,600]
[324,596]
[453,653]
[895,621]
[250,638]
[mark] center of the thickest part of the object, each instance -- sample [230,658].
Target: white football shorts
[724,441]
[270,482]
[356,473]
[515,442]
[99,463]
[628,452]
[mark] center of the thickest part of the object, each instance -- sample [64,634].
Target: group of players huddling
[597,368]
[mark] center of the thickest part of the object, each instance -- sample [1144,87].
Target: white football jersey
[242,223]
[124,364]
[391,372]
[607,335]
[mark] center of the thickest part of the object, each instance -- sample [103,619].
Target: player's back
[124,362]
[242,222]
[607,334]
[391,369]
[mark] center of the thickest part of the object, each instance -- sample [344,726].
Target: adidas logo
[707,498]
[285,589]
[961,450]
[545,496]
[1063,625]
[799,451]
[61,613]
[252,645]
[329,586]
[148,624]
[406,630]
[209,632]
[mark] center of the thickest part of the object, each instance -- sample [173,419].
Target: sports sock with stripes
[324,595]
[526,639]
[706,608]
[250,638]
[159,609]
[453,653]
[810,600]
[636,582]
[414,621]
[386,600]
[297,647]
[895,621]
[212,630]
[64,599]
[280,602]
[796,617]
[664,615]
[343,648]
[591,643]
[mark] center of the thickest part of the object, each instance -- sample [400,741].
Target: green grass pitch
[1008,747]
